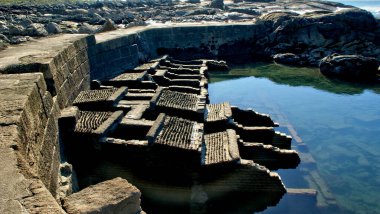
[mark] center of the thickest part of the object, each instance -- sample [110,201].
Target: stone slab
[112,196]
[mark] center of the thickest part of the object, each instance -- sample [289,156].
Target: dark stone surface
[287,58]
[351,67]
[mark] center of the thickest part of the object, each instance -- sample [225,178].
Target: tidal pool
[335,123]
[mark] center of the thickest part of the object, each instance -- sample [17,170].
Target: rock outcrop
[112,196]
[315,35]
[351,67]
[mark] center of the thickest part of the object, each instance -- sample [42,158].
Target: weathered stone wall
[37,81]
[199,41]
[119,50]
[112,55]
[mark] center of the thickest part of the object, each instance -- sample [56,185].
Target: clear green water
[338,121]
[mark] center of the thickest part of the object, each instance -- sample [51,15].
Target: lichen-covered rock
[351,67]
[112,196]
[287,58]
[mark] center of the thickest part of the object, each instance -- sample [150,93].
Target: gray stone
[287,58]
[4,38]
[53,28]
[108,26]
[351,67]
[36,29]
[16,30]
[217,4]
[87,29]
[112,196]
[19,39]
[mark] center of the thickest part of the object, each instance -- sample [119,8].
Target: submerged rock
[112,196]
[351,67]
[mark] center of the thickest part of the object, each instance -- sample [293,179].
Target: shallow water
[338,121]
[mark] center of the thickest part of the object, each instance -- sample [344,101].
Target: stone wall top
[37,51]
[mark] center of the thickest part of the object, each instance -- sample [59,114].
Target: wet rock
[36,29]
[214,65]
[112,196]
[287,58]
[350,67]
[53,28]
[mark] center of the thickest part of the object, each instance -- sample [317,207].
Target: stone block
[112,196]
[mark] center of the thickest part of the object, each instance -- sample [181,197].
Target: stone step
[220,148]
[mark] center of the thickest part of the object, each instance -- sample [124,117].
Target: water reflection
[169,189]
[295,76]
[338,121]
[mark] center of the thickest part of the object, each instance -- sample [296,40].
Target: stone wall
[199,41]
[119,50]
[37,81]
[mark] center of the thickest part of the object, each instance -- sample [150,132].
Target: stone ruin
[159,115]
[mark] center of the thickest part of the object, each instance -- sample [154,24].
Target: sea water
[338,121]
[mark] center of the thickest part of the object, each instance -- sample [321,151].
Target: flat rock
[112,196]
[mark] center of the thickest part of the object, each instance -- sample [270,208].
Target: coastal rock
[287,58]
[16,30]
[4,38]
[53,28]
[329,32]
[19,39]
[217,4]
[214,65]
[112,196]
[3,44]
[350,67]
[36,29]
[87,29]
[107,26]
